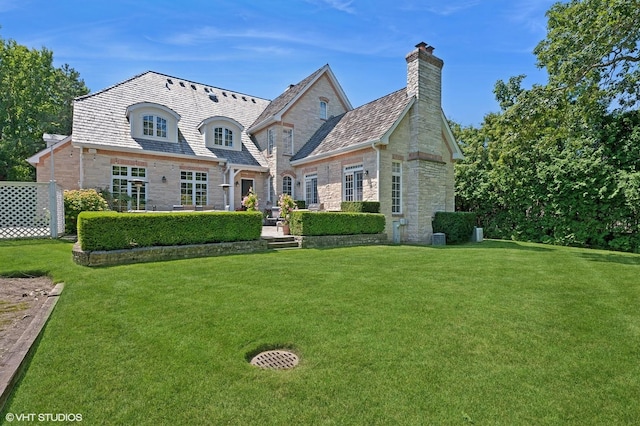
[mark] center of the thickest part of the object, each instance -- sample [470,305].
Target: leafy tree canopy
[35,98]
[594,44]
[560,163]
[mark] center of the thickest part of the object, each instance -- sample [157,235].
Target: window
[193,188]
[125,191]
[153,121]
[223,137]
[287,185]
[323,110]
[271,192]
[396,187]
[311,189]
[154,126]
[353,178]
[287,135]
[270,141]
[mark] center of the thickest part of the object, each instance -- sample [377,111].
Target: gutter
[333,153]
[145,152]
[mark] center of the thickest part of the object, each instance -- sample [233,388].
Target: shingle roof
[279,103]
[99,118]
[369,122]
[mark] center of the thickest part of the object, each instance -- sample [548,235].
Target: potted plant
[286,204]
[250,201]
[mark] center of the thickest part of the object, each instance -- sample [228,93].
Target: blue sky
[260,47]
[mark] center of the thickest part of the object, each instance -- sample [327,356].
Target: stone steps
[285,242]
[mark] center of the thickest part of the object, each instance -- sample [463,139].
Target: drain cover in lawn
[279,360]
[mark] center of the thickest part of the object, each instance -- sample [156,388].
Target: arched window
[287,185]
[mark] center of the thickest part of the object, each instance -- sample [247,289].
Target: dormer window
[223,137]
[153,121]
[221,132]
[154,126]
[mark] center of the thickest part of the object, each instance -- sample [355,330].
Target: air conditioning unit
[439,239]
[478,235]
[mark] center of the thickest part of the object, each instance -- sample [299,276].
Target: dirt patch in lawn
[20,299]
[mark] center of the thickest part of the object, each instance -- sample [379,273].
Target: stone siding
[304,118]
[160,195]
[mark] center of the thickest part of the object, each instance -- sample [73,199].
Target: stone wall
[326,241]
[160,253]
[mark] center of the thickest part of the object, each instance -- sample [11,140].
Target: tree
[592,49]
[35,98]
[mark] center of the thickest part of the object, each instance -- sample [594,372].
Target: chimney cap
[425,47]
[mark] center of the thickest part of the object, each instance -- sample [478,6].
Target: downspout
[81,182]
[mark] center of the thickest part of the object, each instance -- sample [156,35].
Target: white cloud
[439,8]
[530,14]
[342,6]
[345,6]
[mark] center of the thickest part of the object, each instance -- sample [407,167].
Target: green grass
[497,333]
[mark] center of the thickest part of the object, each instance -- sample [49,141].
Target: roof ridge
[186,80]
[90,95]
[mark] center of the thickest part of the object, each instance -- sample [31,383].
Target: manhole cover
[278,359]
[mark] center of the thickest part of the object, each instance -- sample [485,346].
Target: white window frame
[270,141]
[353,183]
[197,183]
[311,189]
[125,181]
[396,187]
[223,137]
[153,122]
[158,128]
[287,188]
[287,136]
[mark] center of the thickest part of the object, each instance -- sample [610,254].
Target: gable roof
[100,119]
[280,105]
[356,129]
[53,141]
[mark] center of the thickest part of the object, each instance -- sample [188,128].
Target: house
[166,142]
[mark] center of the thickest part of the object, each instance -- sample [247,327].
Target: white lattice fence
[26,210]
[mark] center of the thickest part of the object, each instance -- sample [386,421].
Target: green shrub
[458,226]
[302,204]
[360,206]
[113,231]
[80,200]
[335,223]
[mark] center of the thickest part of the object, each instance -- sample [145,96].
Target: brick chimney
[427,167]
[424,81]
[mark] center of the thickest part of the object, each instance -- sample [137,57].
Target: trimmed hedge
[458,226]
[115,231]
[335,223]
[301,204]
[360,206]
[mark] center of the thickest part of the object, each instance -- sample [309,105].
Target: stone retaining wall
[159,253]
[325,241]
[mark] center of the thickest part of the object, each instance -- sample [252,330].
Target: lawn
[494,333]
